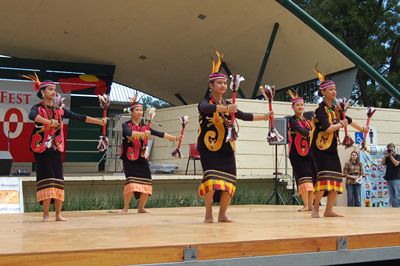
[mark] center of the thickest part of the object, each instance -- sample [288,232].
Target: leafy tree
[372,29]
[148,100]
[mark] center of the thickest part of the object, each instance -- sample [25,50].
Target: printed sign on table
[11,197]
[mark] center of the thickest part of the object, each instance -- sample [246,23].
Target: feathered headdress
[295,97]
[323,83]
[216,66]
[37,84]
[35,79]
[134,103]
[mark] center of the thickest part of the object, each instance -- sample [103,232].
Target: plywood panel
[98,257]
[265,248]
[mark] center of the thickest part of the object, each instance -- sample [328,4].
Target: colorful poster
[11,197]
[374,189]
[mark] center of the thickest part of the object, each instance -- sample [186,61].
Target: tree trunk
[394,58]
[362,84]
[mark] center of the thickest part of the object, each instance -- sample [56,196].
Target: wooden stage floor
[101,237]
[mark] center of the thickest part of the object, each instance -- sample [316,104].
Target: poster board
[374,189]
[11,196]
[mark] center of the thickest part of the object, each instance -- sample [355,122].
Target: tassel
[343,105]
[370,112]
[104,102]
[177,153]
[234,86]
[273,134]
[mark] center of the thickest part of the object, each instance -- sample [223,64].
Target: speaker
[281,126]
[6,161]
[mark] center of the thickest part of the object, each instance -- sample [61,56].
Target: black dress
[48,158]
[299,153]
[324,149]
[216,154]
[136,167]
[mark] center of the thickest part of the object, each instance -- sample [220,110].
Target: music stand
[275,192]
[281,127]
[294,198]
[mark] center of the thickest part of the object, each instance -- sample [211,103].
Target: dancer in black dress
[47,144]
[216,152]
[136,165]
[299,151]
[324,152]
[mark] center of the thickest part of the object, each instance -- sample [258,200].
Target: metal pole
[276,175]
[286,164]
[8,141]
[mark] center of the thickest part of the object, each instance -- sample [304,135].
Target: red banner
[83,82]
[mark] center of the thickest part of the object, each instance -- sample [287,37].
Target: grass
[91,201]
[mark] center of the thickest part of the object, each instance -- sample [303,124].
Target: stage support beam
[180,98]
[265,60]
[303,259]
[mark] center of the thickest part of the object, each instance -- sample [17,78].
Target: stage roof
[163,47]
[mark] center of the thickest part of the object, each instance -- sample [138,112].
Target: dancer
[216,154]
[47,144]
[136,167]
[354,172]
[324,147]
[299,155]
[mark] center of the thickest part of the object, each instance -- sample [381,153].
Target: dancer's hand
[172,137]
[53,123]
[345,123]
[147,134]
[366,129]
[103,121]
[179,138]
[232,108]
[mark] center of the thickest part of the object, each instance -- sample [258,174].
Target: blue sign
[358,137]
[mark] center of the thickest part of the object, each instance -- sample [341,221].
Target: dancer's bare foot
[224,219]
[123,211]
[332,214]
[304,209]
[142,211]
[208,219]
[46,218]
[59,218]
[315,213]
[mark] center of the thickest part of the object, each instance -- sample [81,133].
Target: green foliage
[90,201]
[151,101]
[372,29]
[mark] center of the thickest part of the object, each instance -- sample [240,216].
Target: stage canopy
[163,47]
